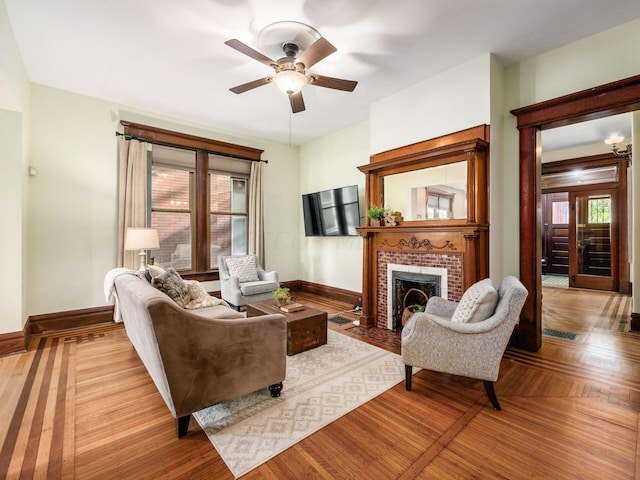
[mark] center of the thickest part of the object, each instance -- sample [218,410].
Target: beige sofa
[198,358]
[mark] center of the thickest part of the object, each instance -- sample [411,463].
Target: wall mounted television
[331,213]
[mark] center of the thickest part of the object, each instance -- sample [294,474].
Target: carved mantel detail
[416,244]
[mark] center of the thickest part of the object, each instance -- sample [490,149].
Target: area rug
[322,384]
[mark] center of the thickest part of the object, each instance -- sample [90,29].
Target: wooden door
[555,232]
[593,239]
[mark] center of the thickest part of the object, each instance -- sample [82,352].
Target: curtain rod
[154,142]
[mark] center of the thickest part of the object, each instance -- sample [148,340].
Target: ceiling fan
[291,70]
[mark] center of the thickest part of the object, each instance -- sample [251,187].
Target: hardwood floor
[81,405]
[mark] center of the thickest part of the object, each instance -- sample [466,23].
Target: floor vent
[557,333]
[339,320]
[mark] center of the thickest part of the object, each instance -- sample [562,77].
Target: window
[172,187]
[439,204]
[600,210]
[198,200]
[560,212]
[229,212]
[174,193]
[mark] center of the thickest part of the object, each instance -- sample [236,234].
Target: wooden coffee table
[306,329]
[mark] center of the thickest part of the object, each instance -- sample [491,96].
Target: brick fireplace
[441,272]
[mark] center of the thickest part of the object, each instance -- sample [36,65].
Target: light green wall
[14,104]
[332,162]
[73,199]
[634,245]
[446,103]
[11,241]
[14,83]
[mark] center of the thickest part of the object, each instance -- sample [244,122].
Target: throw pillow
[172,284]
[153,271]
[199,296]
[478,303]
[243,267]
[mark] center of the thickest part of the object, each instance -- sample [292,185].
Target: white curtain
[256,220]
[132,194]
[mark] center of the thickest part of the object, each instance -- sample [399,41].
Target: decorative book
[292,307]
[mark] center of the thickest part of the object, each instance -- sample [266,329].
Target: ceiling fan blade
[335,83]
[247,50]
[251,85]
[297,102]
[318,50]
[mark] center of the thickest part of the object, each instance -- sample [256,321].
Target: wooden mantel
[461,245]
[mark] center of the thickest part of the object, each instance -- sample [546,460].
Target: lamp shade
[141,239]
[290,81]
[613,140]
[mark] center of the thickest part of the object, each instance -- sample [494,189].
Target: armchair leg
[491,393]
[408,372]
[275,389]
[182,425]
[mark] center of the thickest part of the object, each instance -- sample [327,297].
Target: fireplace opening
[411,291]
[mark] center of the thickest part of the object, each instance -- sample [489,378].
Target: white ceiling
[169,57]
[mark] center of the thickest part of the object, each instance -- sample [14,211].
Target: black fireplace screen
[410,292]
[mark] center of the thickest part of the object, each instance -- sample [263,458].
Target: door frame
[610,99]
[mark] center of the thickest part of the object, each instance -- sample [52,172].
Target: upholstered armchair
[467,338]
[244,281]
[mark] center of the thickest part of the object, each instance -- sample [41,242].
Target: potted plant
[376,214]
[282,296]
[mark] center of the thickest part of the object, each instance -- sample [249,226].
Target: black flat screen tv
[331,213]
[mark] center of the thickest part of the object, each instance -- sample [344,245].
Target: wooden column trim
[528,334]
[367,319]
[471,261]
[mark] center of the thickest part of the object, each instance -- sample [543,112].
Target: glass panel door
[593,240]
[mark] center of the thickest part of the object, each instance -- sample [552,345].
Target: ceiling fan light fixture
[290,81]
[626,153]
[613,140]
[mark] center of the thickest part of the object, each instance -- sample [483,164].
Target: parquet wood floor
[81,405]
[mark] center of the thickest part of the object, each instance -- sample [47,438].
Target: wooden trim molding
[347,296]
[598,102]
[55,322]
[12,342]
[171,138]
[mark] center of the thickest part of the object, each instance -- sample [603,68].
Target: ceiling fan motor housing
[290,49]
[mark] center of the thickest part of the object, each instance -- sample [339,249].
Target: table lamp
[142,239]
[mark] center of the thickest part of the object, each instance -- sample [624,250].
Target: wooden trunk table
[306,329]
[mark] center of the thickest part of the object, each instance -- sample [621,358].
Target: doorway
[597,102]
[584,217]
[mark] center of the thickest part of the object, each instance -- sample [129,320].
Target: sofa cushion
[255,288]
[218,312]
[478,303]
[172,284]
[243,267]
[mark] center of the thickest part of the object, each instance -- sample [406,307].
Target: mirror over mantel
[438,182]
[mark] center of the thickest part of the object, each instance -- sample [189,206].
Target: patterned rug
[322,384]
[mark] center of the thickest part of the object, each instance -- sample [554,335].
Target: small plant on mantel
[282,296]
[376,214]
